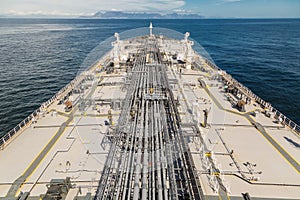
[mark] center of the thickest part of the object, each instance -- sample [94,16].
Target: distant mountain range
[141,15]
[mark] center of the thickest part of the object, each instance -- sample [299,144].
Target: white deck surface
[81,150]
[249,145]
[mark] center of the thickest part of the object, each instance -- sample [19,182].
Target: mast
[150,29]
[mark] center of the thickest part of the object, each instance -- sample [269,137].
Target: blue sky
[208,8]
[245,8]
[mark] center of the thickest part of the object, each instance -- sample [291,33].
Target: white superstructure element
[150,29]
[117,45]
[189,54]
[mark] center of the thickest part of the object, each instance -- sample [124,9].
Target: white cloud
[40,12]
[74,7]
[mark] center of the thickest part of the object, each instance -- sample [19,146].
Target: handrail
[277,115]
[7,138]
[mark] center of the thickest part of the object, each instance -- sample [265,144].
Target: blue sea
[40,56]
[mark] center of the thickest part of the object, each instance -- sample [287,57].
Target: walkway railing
[277,115]
[28,120]
[8,137]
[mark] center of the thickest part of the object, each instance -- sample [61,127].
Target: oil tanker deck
[153,118]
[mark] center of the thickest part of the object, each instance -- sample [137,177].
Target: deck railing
[277,115]
[8,137]
[28,120]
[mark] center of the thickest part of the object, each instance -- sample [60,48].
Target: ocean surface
[40,56]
